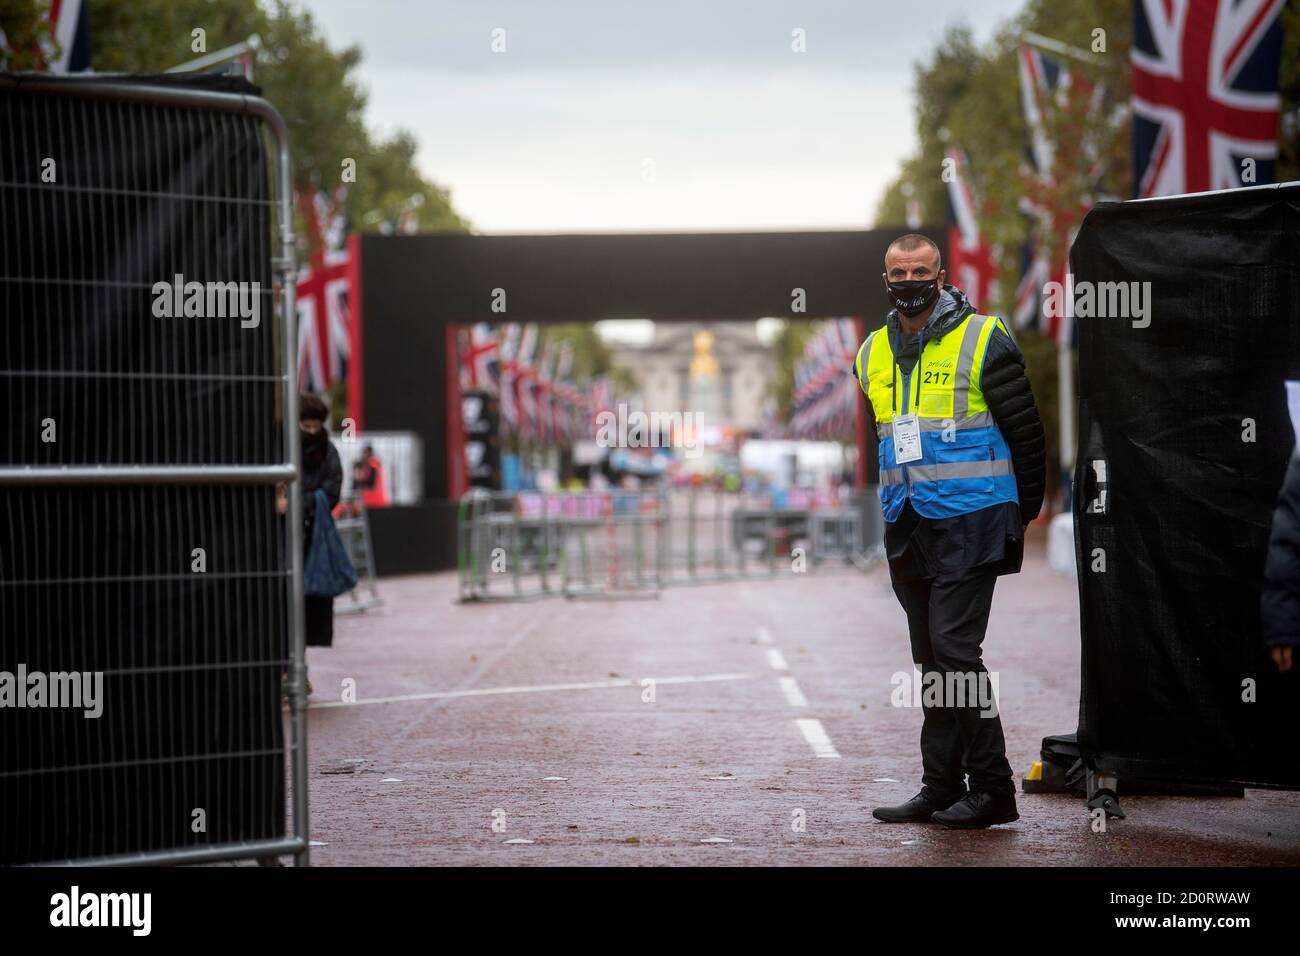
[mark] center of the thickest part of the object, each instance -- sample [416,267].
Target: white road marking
[764,635]
[776,659]
[815,734]
[533,689]
[517,840]
[793,695]
[399,734]
[715,840]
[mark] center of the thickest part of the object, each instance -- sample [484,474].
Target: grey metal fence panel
[140,547]
[634,543]
[353,524]
[612,543]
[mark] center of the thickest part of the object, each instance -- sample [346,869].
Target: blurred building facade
[717,369]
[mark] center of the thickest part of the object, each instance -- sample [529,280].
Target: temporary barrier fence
[633,543]
[353,524]
[140,546]
[612,544]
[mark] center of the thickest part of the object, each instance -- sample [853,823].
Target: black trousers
[318,621]
[946,620]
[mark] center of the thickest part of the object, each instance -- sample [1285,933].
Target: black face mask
[313,446]
[912,296]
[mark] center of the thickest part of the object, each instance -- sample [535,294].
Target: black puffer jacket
[1011,400]
[1279,604]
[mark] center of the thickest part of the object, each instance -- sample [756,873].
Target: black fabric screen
[1170,574]
[106,579]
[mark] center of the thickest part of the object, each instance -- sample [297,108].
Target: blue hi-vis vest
[965,463]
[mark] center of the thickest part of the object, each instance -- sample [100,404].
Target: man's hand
[1281,654]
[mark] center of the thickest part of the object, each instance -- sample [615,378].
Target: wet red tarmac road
[529,721]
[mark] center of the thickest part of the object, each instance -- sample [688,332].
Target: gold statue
[704,365]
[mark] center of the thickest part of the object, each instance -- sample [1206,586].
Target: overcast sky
[653,115]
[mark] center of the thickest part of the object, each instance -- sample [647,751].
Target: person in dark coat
[943,569]
[1279,603]
[321,468]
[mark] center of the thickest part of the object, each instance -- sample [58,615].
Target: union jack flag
[322,303]
[1035,271]
[1050,181]
[510,337]
[602,399]
[479,367]
[1205,93]
[565,395]
[543,387]
[972,262]
[1042,81]
[824,402]
[524,373]
[69,25]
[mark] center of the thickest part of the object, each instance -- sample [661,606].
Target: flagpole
[1065,331]
[1065,414]
[1056,46]
[218,57]
[1065,387]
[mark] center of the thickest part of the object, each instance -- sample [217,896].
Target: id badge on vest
[907,438]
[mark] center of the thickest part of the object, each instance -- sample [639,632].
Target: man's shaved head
[913,242]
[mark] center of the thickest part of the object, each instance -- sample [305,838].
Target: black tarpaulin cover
[1187,408]
[187,749]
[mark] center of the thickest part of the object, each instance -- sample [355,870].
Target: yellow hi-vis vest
[965,462]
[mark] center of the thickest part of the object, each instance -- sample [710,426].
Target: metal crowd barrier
[509,546]
[353,526]
[624,544]
[612,544]
[196,479]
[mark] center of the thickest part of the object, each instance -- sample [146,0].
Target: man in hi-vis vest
[961,476]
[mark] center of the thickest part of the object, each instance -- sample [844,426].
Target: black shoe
[917,810]
[977,810]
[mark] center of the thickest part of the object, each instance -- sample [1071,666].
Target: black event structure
[413,286]
[1187,410]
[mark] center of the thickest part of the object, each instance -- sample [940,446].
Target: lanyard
[907,381]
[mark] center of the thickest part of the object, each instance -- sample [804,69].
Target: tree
[1288,166]
[315,88]
[970,97]
[787,352]
[25,27]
